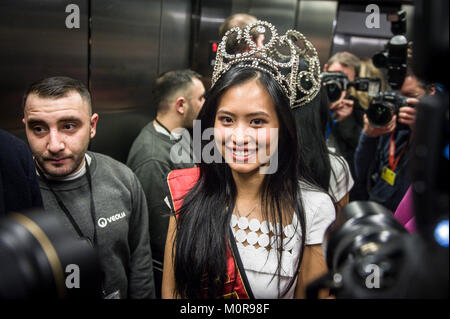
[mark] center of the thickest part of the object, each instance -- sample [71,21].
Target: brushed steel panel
[280,13]
[124,53]
[35,43]
[315,20]
[212,15]
[175,35]
[124,63]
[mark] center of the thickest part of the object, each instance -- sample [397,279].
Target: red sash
[180,181]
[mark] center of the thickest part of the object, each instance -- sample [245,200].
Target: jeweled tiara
[291,59]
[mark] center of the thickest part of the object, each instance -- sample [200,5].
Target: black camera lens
[334,91]
[361,228]
[41,260]
[380,113]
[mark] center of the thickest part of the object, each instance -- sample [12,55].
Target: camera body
[336,82]
[44,261]
[394,57]
[384,106]
[370,255]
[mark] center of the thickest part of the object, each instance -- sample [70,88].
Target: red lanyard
[392,160]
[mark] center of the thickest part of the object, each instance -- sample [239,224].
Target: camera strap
[392,147]
[66,210]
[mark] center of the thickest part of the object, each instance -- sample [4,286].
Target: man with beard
[164,145]
[100,199]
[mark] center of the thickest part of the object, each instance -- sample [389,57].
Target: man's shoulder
[148,144]
[9,142]
[17,151]
[107,163]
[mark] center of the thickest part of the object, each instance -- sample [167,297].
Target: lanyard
[392,160]
[66,210]
[165,128]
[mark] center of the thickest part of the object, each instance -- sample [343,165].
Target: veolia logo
[103,222]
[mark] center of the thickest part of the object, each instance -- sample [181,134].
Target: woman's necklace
[251,211]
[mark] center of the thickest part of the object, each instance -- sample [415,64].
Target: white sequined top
[256,242]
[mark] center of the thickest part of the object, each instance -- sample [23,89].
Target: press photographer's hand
[343,108]
[373,131]
[407,114]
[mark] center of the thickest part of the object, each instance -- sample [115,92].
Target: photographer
[347,112]
[386,175]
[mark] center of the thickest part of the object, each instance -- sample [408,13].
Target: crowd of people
[247,216]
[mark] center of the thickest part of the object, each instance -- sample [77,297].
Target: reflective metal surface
[351,33]
[174,35]
[35,43]
[212,14]
[315,20]
[280,13]
[124,52]
[133,41]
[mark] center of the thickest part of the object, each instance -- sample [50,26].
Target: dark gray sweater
[122,223]
[150,160]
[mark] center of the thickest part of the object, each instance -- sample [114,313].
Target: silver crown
[300,86]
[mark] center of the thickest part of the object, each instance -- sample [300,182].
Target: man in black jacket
[19,189]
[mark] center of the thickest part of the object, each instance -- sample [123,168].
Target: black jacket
[19,188]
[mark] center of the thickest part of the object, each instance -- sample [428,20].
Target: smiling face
[246,126]
[58,132]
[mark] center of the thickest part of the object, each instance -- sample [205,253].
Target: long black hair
[200,257]
[311,120]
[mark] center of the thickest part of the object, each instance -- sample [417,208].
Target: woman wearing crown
[238,226]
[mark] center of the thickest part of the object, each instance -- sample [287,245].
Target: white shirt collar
[161,130]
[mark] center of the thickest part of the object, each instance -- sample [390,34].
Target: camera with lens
[41,260]
[368,252]
[394,57]
[384,106]
[370,255]
[336,82]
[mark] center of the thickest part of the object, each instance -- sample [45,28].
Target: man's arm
[367,147]
[140,278]
[152,176]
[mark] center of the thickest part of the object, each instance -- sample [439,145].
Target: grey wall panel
[212,15]
[315,20]
[352,34]
[35,43]
[124,52]
[280,13]
[124,63]
[175,35]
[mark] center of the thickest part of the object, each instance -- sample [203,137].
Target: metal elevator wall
[131,42]
[35,43]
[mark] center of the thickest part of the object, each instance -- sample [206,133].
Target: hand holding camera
[342,108]
[337,85]
[407,114]
[376,131]
[385,109]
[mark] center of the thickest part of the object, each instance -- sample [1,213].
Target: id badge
[388,176]
[114,295]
